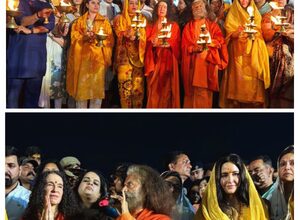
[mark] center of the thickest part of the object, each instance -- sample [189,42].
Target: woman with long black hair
[51,198]
[231,193]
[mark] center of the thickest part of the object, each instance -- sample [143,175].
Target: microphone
[105,204]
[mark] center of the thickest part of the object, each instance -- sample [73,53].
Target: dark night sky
[101,140]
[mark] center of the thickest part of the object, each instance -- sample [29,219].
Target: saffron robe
[87,62]
[200,70]
[161,69]
[248,74]
[129,61]
[145,214]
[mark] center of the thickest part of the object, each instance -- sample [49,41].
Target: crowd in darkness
[63,188]
[155,54]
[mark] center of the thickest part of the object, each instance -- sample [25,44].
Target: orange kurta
[161,69]
[87,62]
[144,215]
[269,29]
[248,74]
[200,70]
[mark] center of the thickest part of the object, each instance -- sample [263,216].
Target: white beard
[200,14]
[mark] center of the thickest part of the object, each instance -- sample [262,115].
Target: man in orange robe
[145,195]
[145,214]
[200,65]
[129,56]
[161,63]
[248,74]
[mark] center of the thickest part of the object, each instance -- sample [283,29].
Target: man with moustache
[145,195]
[200,64]
[261,171]
[16,196]
[27,176]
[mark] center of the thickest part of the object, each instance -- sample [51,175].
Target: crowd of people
[42,189]
[155,54]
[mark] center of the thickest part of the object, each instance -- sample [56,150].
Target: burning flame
[63,3]
[12,5]
[101,31]
[167,28]
[169,35]
[274,5]
[165,32]
[142,25]
[139,24]
[275,20]
[135,18]
[250,10]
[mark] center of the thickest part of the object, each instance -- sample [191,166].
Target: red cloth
[60,217]
[201,69]
[161,69]
[145,214]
